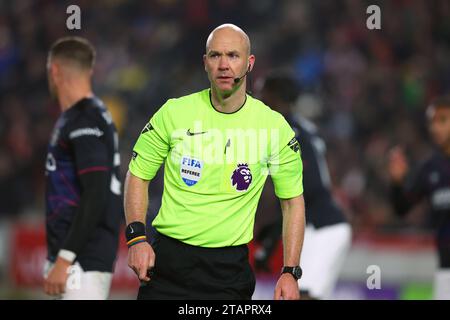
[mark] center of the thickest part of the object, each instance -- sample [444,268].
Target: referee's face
[226,58]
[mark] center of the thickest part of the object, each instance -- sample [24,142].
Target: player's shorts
[442,284]
[183,271]
[323,255]
[84,285]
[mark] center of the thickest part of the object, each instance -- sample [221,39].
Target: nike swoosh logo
[132,231]
[189,133]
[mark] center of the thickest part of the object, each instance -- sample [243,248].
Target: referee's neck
[228,104]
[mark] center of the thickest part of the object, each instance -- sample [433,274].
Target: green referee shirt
[215,167]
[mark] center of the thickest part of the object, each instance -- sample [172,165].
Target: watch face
[297,272]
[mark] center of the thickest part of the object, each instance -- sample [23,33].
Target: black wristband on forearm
[135,233]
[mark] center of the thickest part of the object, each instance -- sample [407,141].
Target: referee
[218,146]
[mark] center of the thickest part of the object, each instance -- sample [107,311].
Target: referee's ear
[251,62]
[204,62]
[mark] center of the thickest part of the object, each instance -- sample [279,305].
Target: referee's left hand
[55,283]
[286,288]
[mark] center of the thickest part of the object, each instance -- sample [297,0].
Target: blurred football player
[82,187]
[429,182]
[326,224]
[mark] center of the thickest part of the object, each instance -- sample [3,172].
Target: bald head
[230,32]
[228,60]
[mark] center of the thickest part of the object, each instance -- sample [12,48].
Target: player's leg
[87,285]
[81,285]
[442,276]
[442,284]
[307,263]
[324,256]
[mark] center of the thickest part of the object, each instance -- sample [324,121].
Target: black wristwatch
[296,271]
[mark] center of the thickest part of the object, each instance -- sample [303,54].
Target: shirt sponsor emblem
[134,155]
[440,199]
[191,170]
[85,132]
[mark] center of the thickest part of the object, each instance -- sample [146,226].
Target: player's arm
[92,205]
[93,202]
[268,238]
[149,152]
[91,159]
[315,177]
[402,205]
[406,188]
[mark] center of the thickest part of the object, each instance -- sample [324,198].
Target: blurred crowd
[366,89]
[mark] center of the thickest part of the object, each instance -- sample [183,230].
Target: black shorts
[183,271]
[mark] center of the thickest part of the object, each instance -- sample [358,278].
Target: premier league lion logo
[242,177]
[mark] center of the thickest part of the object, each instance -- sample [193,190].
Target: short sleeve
[86,136]
[285,164]
[152,146]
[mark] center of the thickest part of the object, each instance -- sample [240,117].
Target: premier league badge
[241,177]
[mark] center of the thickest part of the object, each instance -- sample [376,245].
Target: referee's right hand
[141,258]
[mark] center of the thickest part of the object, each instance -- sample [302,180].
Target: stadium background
[366,89]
